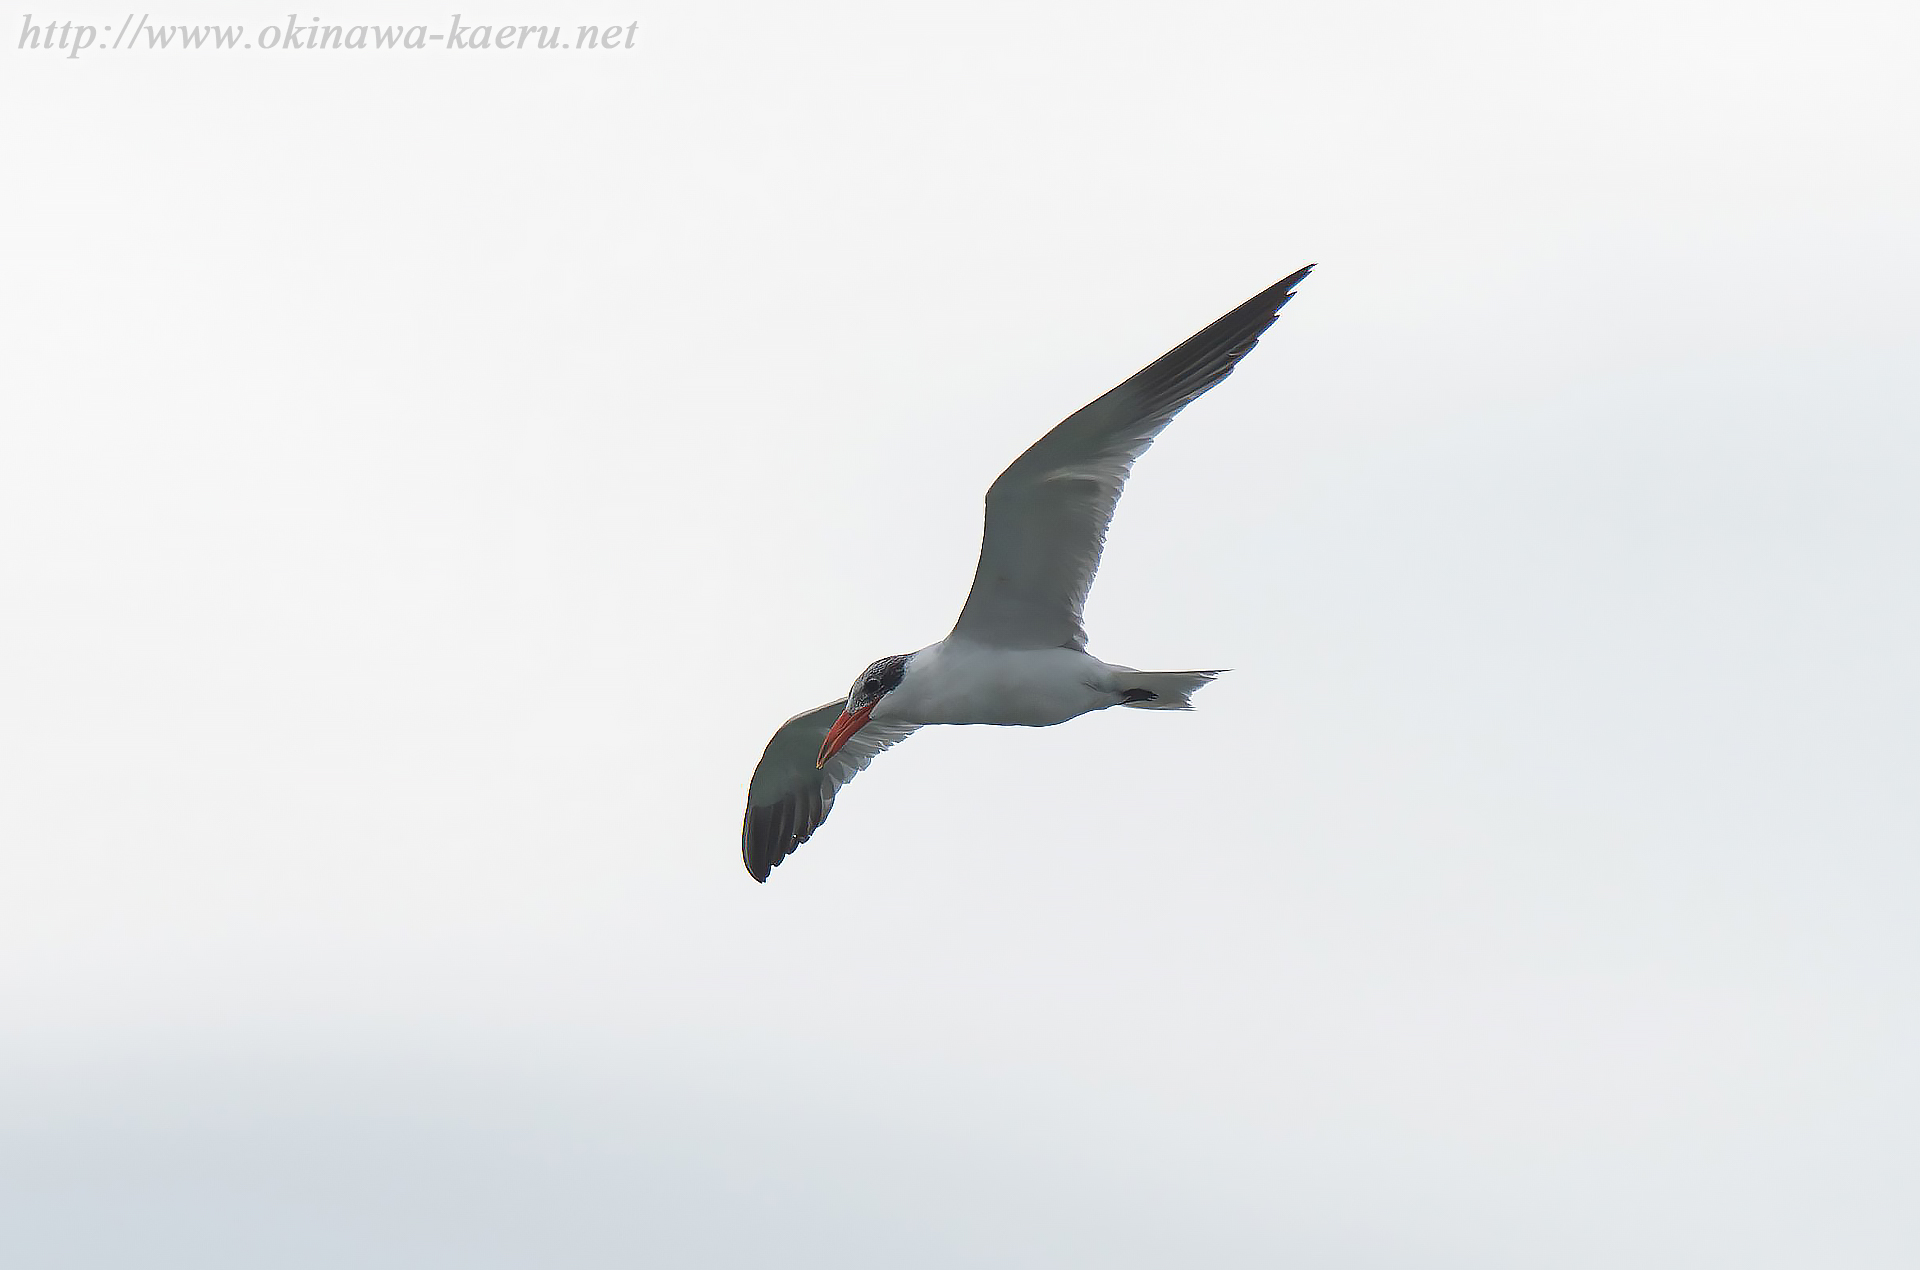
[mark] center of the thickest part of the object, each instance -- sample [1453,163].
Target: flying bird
[1018,655]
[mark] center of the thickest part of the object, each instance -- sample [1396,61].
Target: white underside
[956,681]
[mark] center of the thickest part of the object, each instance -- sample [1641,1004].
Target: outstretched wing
[790,797]
[1047,515]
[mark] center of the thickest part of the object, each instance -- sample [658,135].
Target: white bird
[1017,656]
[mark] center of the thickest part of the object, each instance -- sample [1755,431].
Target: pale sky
[429,478]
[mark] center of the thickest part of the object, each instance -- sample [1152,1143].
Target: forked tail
[1162,689]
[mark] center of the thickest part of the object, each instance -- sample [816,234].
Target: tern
[1018,655]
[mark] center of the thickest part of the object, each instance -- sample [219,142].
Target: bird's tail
[1162,689]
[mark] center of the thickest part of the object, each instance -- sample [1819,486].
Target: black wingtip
[757,871]
[1292,280]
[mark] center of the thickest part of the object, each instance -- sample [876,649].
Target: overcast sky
[430,476]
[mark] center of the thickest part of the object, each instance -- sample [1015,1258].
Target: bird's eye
[872,685]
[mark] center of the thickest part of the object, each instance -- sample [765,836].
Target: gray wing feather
[1048,513]
[789,797]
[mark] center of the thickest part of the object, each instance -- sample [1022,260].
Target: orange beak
[849,722]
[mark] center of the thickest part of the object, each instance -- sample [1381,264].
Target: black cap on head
[877,680]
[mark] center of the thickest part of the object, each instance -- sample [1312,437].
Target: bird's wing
[790,797]
[1047,515]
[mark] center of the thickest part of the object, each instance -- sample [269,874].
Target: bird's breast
[1032,688]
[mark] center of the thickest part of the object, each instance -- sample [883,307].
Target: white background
[429,478]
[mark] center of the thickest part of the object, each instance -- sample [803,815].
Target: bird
[1018,656]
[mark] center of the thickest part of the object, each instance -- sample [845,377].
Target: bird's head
[875,682]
